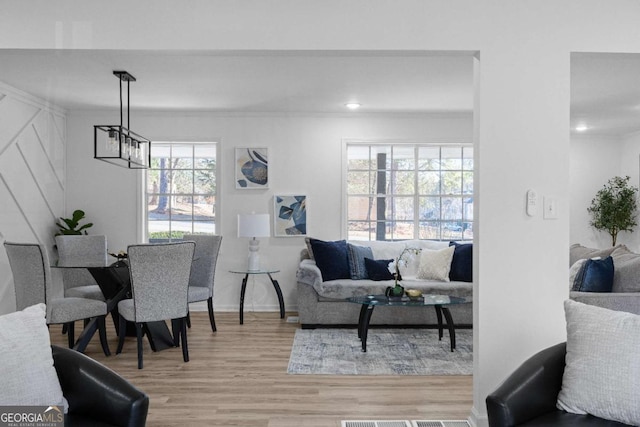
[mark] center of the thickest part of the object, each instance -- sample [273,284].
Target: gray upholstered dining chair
[203,270]
[159,286]
[33,284]
[83,251]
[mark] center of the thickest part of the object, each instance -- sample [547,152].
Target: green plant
[614,208]
[71,226]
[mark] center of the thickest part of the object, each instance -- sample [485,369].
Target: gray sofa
[322,303]
[625,294]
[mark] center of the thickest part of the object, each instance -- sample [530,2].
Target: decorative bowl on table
[414,294]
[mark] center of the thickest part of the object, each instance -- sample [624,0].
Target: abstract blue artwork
[252,168]
[290,214]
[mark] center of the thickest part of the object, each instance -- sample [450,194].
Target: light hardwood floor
[238,377]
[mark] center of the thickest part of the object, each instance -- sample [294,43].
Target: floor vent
[405,423]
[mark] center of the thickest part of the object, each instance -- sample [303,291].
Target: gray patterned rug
[389,352]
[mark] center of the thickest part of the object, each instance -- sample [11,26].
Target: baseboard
[476,419]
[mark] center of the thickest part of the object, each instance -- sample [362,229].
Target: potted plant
[71,226]
[614,208]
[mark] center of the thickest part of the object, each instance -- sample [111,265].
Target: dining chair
[203,270]
[159,286]
[33,284]
[85,251]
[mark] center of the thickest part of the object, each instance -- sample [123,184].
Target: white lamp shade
[254,225]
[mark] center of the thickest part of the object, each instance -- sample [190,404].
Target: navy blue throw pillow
[331,258]
[357,254]
[378,269]
[596,275]
[462,262]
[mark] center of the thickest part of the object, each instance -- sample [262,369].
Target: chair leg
[188,320]
[102,331]
[139,338]
[122,332]
[212,320]
[183,335]
[176,325]
[70,333]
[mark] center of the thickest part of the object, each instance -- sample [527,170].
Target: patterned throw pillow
[435,264]
[357,254]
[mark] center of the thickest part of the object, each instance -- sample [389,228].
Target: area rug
[389,352]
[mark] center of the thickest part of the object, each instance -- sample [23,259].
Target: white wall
[522,122]
[305,157]
[32,176]
[594,160]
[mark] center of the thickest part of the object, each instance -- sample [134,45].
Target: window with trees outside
[405,191]
[181,190]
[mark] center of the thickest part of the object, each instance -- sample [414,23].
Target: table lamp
[254,225]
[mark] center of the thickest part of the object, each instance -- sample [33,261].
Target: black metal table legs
[367,310]
[276,286]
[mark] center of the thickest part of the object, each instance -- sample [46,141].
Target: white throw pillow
[26,363]
[602,373]
[435,264]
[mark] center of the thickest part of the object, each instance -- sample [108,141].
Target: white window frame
[439,142]
[143,196]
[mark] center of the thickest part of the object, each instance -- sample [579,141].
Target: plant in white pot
[71,226]
[615,208]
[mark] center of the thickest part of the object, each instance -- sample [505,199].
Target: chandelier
[120,145]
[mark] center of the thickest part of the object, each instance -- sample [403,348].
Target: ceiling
[251,82]
[605,88]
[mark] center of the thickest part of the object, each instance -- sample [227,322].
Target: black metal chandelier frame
[120,145]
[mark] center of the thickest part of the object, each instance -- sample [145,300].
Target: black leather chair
[528,396]
[97,395]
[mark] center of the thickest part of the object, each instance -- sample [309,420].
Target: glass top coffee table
[439,302]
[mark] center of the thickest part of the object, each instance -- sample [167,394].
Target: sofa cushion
[596,275]
[626,276]
[28,375]
[378,269]
[357,254]
[577,251]
[435,264]
[462,262]
[601,373]
[331,258]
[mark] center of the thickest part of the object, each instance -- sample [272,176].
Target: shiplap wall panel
[32,176]
[14,116]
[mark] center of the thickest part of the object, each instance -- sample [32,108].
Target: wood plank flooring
[238,377]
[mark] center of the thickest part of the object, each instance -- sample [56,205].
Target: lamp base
[254,258]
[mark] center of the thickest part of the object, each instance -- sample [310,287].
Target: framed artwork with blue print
[290,216]
[252,168]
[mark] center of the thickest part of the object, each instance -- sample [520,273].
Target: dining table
[115,283]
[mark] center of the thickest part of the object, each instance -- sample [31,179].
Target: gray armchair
[33,284]
[159,285]
[203,270]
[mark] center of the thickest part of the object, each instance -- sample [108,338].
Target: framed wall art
[290,216]
[252,168]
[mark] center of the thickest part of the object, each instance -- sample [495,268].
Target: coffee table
[439,302]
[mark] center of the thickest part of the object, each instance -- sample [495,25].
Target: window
[181,190]
[409,191]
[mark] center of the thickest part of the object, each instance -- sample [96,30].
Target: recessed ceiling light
[581,128]
[352,105]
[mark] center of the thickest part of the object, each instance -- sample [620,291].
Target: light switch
[550,206]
